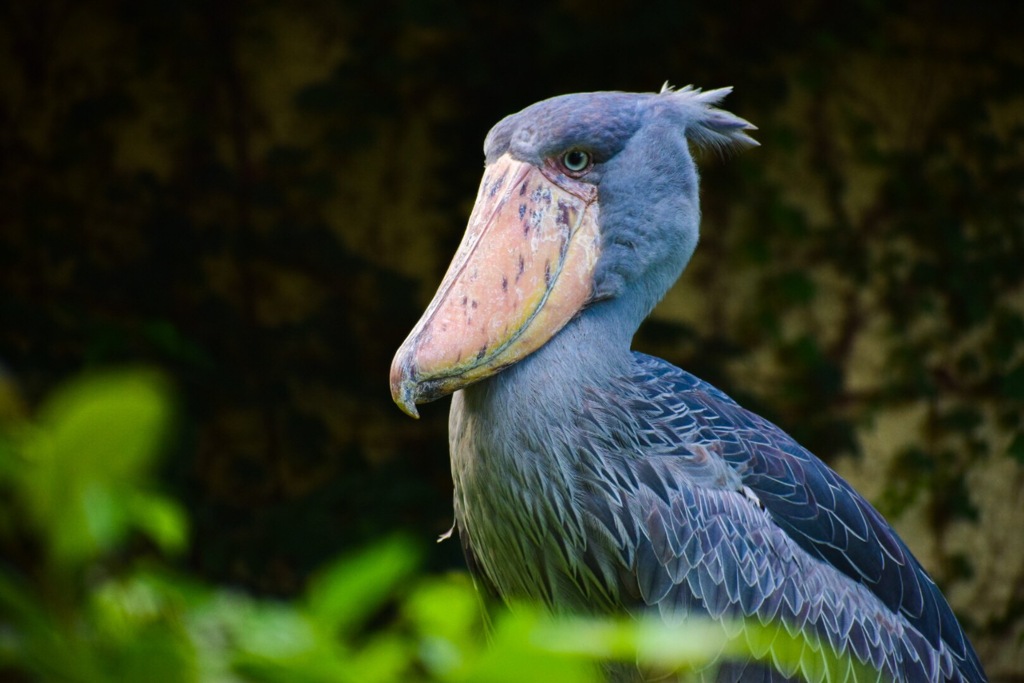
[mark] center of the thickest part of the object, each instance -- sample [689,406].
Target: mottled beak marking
[523,270]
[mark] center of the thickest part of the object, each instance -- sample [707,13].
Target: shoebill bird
[595,479]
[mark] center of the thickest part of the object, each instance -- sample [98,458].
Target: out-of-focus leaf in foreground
[346,591]
[81,603]
[85,461]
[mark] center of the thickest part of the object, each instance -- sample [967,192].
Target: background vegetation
[258,199]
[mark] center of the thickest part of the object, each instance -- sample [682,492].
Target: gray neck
[516,458]
[518,453]
[544,390]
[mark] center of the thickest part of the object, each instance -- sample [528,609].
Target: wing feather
[738,518]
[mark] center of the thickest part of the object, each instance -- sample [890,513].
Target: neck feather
[543,391]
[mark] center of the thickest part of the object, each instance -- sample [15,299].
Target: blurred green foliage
[82,461]
[105,603]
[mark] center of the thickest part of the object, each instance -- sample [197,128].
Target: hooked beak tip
[403,388]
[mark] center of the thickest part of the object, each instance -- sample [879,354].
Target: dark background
[259,199]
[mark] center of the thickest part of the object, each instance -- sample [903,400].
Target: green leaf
[383,660]
[95,442]
[521,651]
[136,631]
[33,641]
[448,608]
[278,642]
[447,616]
[160,518]
[278,632]
[350,589]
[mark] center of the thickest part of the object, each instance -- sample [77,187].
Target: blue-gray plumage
[592,478]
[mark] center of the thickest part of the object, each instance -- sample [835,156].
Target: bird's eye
[576,161]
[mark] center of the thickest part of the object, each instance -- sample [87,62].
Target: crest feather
[708,126]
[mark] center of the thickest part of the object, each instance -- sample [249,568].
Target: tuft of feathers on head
[707,126]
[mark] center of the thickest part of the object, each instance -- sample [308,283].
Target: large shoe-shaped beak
[523,270]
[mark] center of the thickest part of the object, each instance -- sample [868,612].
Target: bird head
[585,198]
